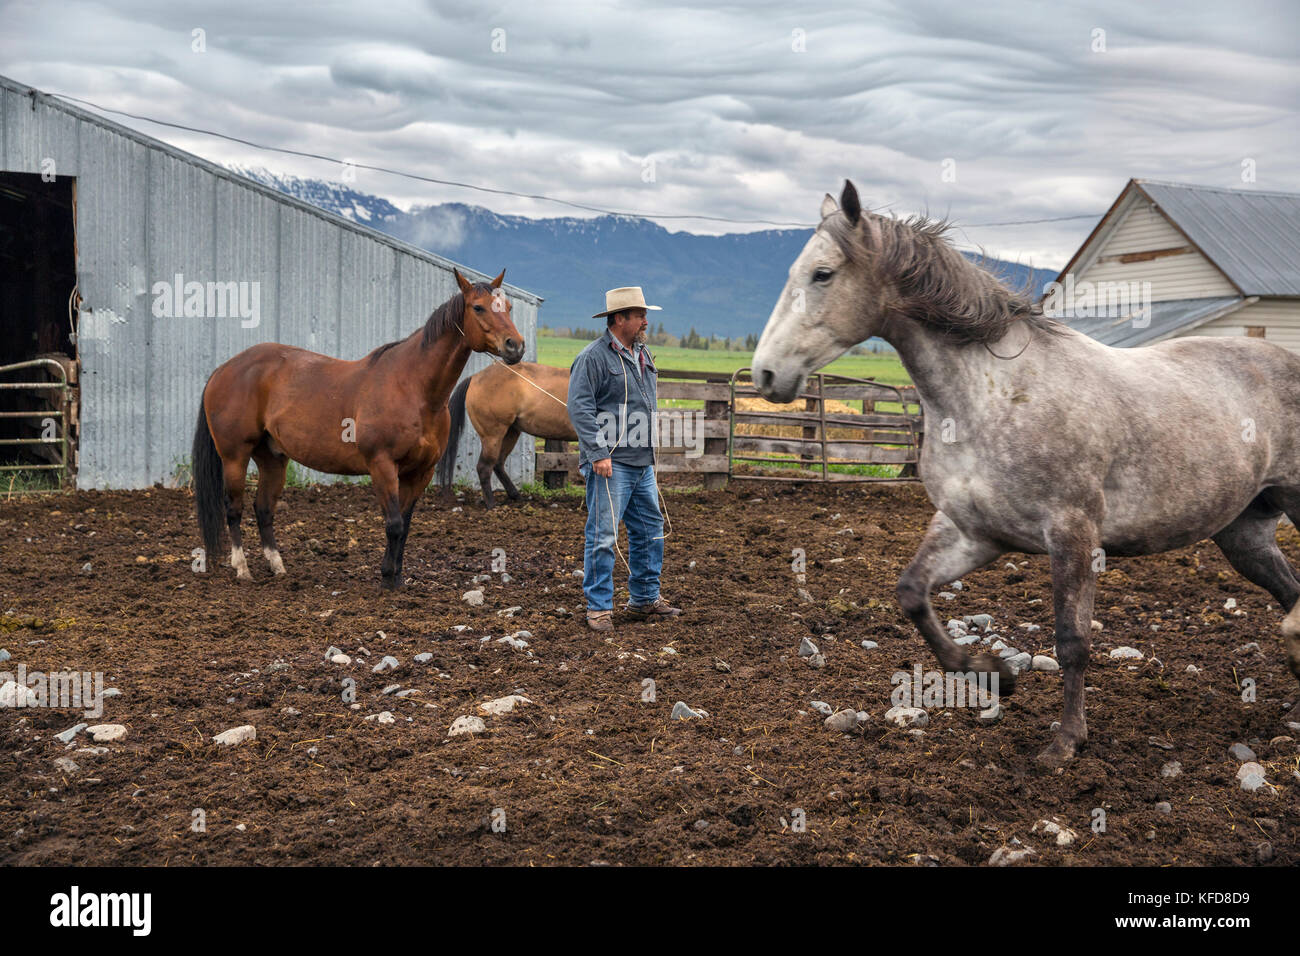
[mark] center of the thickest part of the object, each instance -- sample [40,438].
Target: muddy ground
[590,772]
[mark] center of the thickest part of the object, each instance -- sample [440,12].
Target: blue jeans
[633,495]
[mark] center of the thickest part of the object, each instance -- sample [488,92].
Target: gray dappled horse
[1042,440]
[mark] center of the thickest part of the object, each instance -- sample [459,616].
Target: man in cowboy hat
[612,405]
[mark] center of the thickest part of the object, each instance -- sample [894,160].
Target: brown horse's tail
[447,463]
[209,486]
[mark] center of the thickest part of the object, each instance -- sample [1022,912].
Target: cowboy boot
[600,620]
[660,608]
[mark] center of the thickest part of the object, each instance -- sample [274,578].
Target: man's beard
[639,338]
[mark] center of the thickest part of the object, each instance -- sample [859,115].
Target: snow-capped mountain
[719,285]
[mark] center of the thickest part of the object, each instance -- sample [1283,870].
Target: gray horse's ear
[849,202]
[829,205]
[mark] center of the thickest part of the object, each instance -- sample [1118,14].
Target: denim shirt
[599,378]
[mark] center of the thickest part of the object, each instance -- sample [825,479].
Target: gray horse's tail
[447,463]
[209,486]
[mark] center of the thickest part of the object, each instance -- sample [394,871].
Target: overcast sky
[750,111]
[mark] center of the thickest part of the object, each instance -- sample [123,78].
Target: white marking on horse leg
[240,564]
[272,556]
[1291,636]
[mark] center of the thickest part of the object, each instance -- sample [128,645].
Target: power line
[502,192]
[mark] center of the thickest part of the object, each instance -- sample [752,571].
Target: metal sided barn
[130,270]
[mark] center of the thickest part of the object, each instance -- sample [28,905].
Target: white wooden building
[1175,260]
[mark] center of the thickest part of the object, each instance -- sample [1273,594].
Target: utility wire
[501,192]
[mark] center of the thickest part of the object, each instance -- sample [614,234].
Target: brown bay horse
[501,405]
[384,415]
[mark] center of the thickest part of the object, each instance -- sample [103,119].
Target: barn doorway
[38,355]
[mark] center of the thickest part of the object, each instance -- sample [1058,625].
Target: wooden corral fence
[745,437]
[827,439]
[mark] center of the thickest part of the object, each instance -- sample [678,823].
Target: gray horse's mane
[939,285]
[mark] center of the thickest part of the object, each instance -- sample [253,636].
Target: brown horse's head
[486,320]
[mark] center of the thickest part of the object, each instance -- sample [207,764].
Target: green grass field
[885,368]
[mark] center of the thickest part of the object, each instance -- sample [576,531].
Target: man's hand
[604,467]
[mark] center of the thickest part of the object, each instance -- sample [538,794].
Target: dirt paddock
[590,772]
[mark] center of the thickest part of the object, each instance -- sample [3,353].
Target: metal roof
[1166,319]
[1253,237]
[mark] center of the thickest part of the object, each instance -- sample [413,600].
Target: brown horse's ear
[465,284]
[496,283]
[849,202]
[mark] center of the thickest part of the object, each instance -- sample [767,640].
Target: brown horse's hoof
[1060,752]
[987,664]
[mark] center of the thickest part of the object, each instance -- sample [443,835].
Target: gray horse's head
[826,307]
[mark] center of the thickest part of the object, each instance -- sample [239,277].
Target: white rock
[383,717]
[907,716]
[514,642]
[1097,625]
[66,764]
[1006,856]
[683,712]
[473,598]
[106,733]
[869,645]
[235,735]
[822,707]
[1229,604]
[1042,662]
[502,705]
[1064,835]
[466,725]
[1124,653]
[14,694]
[1020,662]
[807,648]
[341,659]
[386,663]
[1172,769]
[843,721]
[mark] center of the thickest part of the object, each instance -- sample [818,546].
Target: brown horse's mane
[444,317]
[939,285]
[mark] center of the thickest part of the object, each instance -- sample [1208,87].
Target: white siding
[1143,229]
[1279,317]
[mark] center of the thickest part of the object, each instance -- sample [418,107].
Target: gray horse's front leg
[1074,553]
[945,555]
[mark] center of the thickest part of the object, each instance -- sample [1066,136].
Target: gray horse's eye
[822,275]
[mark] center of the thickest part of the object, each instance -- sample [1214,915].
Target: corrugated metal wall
[147,212]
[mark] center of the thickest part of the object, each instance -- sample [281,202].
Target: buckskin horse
[1042,440]
[384,415]
[503,403]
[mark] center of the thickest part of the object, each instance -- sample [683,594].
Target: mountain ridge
[722,285]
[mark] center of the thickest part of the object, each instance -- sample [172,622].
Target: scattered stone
[822,708]
[423,658]
[517,643]
[4,655]
[66,764]
[1125,653]
[1041,662]
[473,598]
[1251,776]
[386,663]
[235,735]
[1007,856]
[1165,807]
[1160,742]
[467,725]
[502,705]
[341,659]
[1064,835]
[1251,648]
[1097,625]
[682,712]
[982,621]
[67,735]
[291,711]
[957,626]
[389,689]
[510,611]
[947,595]
[1020,662]
[1193,669]
[817,660]
[1241,752]
[1172,769]
[844,721]
[505,578]
[907,716]
[869,645]
[14,694]
[803,595]
[1229,604]
[383,717]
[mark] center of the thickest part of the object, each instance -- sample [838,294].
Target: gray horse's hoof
[987,664]
[1060,752]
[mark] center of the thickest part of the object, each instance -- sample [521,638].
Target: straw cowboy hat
[628,297]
